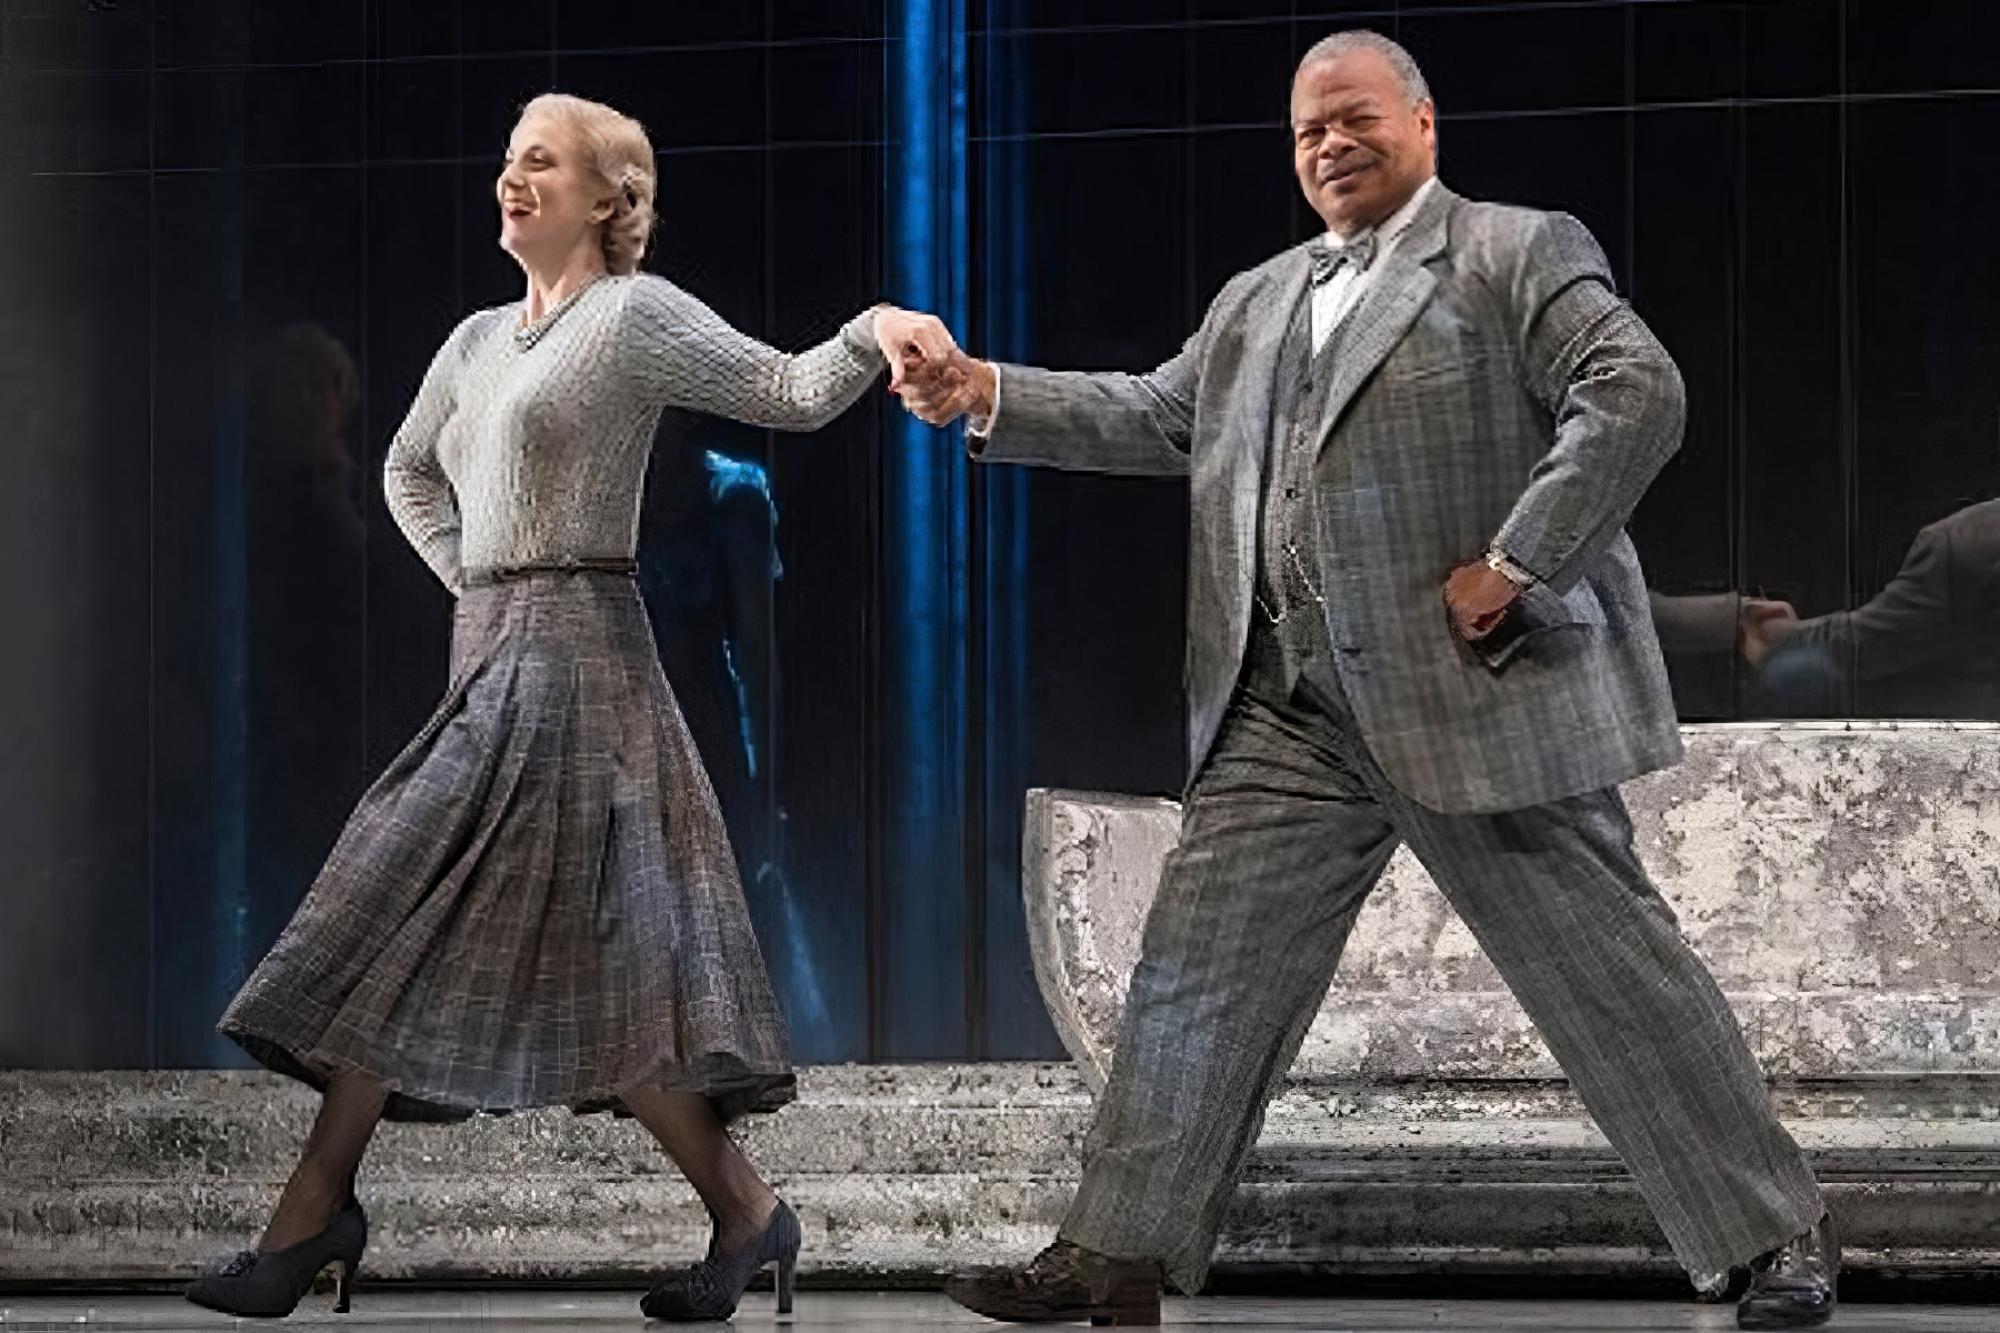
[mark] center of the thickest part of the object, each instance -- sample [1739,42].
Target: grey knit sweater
[529,445]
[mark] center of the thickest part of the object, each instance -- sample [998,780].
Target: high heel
[708,1291]
[269,1284]
[343,1285]
[787,1267]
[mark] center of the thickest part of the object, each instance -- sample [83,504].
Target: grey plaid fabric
[535,904]
[1287,828]
[1288,551]
[1490,385]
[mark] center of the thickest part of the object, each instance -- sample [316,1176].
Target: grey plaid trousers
[1286,829]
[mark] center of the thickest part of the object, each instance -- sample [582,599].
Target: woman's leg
[688,1128]
[320,1184]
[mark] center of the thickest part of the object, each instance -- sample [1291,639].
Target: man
[1413,616]
[1927,645]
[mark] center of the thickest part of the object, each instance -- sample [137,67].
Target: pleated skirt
[536,904]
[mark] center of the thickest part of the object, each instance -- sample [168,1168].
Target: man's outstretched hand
[941,390]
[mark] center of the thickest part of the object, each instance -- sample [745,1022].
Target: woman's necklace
[531,333]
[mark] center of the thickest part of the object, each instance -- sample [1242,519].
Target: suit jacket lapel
[1390,306]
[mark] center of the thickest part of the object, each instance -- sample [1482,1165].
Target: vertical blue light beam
[926,548]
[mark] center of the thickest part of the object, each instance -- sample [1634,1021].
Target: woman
[536,903]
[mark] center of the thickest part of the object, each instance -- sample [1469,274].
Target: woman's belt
[490,574]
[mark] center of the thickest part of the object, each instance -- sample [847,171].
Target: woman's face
[549,199]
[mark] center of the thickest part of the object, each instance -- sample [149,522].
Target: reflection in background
[1707,635]
[304,535]
[707,567]
[1926,645]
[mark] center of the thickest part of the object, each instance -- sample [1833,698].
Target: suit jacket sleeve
[1615,395]
[1906,625]
[1084,421]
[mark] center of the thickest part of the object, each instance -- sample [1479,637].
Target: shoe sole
[1143,1313]
[1811,1319]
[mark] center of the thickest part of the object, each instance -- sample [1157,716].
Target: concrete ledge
[902,1174]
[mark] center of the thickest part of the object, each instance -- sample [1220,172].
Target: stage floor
[414,1310]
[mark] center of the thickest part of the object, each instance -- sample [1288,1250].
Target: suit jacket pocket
[1541,614]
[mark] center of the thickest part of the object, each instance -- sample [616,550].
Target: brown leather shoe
[1795,1285]
[1063,1284]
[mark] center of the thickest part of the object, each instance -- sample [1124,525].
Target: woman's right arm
[413,482]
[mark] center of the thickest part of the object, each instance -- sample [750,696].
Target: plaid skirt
[536,904]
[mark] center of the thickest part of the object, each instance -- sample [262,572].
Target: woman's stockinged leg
[693,1135]
[349,1110]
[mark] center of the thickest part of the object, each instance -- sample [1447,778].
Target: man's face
[1359,147]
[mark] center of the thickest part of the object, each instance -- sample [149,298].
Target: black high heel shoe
[269,1284]
[708,1291]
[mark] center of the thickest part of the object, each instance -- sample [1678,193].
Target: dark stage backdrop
[232,234]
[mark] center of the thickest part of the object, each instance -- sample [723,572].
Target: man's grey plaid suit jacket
[1491,385]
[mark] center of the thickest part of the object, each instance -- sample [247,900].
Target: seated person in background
[1927,645]
[1711,622]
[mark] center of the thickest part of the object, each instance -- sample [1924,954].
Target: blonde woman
[536,905]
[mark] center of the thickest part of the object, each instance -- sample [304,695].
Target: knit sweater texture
[528,444]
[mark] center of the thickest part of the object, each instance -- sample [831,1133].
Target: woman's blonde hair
[616,148]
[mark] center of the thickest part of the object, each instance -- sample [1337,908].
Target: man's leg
[1281,841]
[1558,900]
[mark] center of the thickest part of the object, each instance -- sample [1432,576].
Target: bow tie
[1328,260]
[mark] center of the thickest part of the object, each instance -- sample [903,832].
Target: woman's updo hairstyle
[616,149]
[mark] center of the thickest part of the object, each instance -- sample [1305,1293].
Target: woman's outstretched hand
[936,380]
[908,338]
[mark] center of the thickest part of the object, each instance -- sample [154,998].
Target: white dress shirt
[1332,301]
[1335,299]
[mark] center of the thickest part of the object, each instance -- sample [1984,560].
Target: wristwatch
[1501,563]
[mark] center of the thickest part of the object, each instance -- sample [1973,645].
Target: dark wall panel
[235,234]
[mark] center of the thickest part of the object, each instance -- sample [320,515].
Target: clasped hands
[934,377]
[1762,625]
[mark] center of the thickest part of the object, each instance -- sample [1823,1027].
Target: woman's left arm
[686,355]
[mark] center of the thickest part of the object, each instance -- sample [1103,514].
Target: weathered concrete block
[1842,881]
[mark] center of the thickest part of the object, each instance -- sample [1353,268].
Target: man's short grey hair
[1362,39]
